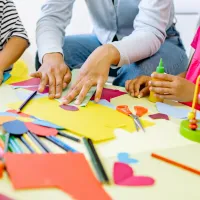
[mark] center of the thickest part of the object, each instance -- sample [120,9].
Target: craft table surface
[172,183]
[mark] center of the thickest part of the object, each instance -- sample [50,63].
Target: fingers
[58,85]
[1,78]
[166,96]
[141,81]
[52,89]
[99,90]
[163,84]
[160,90]
[43,82]
[36,75]
[144,92]
[164,77]
[127,85]
[131,87]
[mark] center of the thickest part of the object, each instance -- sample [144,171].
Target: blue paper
[124,158]
[47,124]
[8,114]
[15,127]
[6,76]
[106,103]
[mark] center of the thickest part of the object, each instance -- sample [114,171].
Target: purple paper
[69,107]
[159,116]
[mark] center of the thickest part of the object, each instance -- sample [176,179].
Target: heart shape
[124,176]
[124,158]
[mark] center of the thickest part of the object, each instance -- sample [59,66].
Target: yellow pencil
[31,143]
[195,93]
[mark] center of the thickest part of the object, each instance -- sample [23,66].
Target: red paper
[140,111]
[108,94]
[32,81]
[3,197]
[159,116]
[20,114]
[41,130]
[124,175]
[70,172]
[46,90]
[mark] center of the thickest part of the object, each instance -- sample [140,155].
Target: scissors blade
[137,122]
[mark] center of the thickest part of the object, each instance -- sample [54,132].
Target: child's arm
[172,87]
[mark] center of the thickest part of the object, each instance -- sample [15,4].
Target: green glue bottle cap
[160,69]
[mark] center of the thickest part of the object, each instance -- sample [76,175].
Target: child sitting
[180,88]
[13,37]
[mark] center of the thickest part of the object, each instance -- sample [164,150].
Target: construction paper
[41,130]
[124,158]
[18,114]
[19,72]
[8,114]
[140,111]
[15,127]
[25,119]
[159,116]
[106,103]
[47,124]
[6,76]
[70,172]
[34,88]
[30,82]
[108,94]
[89,121]
[124,175]
[69,107]
[4,119]
[3,197]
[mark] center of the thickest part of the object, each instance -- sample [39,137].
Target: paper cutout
[46,90]
[30,82]
[140,111]
[15,127]
[97,114]
[159,116]
[24,119]
[18,114]
[47,124]
[3,197]
[68,172]
[4,119]
[106,103]
[8,114]
[41,130]
[124,158]
[124,175]
[18,73]
[6,76]
[108,94]
[68,107]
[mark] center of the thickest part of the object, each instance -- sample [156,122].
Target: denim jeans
[77,48]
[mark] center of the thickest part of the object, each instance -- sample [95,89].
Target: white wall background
[29,11]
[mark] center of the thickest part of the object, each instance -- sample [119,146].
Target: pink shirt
[194,69]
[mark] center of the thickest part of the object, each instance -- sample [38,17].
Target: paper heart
[124,175]
[124,158]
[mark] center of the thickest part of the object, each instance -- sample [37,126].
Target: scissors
[125,110]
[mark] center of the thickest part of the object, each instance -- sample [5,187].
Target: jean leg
[174,58]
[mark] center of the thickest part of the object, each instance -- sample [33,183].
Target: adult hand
[138,87]
[55,73]
[1,77]
[94,72]
[172,87]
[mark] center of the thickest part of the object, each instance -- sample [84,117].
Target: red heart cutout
[124,175]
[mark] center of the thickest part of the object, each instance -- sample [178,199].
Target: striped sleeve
[10,22]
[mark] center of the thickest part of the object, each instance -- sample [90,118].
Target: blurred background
[187,15]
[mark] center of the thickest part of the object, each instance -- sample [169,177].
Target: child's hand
[138,87]
[1,77]
[172,87]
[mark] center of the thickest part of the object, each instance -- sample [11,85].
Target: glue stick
[161,70]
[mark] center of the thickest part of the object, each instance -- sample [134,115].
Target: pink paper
[159,116]
[124,175]
[108,94]
[46,90]
[33,82]
[3,197]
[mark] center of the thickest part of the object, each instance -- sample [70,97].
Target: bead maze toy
[189,127]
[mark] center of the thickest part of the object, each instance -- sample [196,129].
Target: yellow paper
[18,73]
[90,121]
[24,119]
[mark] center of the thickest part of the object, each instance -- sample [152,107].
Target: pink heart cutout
[124,175]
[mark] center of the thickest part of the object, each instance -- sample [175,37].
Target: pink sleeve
[196,38]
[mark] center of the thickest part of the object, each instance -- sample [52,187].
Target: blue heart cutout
[124,158]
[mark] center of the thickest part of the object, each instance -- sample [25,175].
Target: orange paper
[4,119]
[70,172]
[140,111]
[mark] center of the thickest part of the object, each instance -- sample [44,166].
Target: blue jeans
[77,48]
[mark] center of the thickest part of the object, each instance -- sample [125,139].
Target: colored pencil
[16,144]
[175,163]
[26,101]
[69,136]
[32,144]
[103,178]
[46,149]
[7,138]
[27,144]
[15,147]
[60,143]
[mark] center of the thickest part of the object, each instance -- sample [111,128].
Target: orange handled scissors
[125,110]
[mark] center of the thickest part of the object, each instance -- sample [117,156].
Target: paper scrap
[25,119]
[41,130]
[104,102]
[108,94]
[15,127]
[4,119]
[124,175]
[6,76]
[125,158]
[47,124]
[89,121]
[159,116]
[18,114]
[69,107]
[8,114]
[67,172]
[29,82]
[3,197]
[140,111]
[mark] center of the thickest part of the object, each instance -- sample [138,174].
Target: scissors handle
[124,109]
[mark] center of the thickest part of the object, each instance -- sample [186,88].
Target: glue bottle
[161,70]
